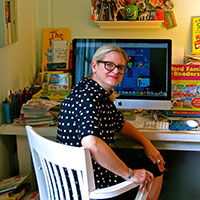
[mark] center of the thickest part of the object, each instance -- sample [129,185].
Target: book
[19,192]
[185,87]
[196,35]
[60,51]
[37,109]
[12,182]
[48,36]
[169,19]
[34,196]
[56,67]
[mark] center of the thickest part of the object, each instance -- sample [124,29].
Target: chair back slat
[50,172]
[81,185]
[49,185]
[64,182]
[73,184]
[58,182]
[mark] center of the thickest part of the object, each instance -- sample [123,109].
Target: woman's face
[108,79]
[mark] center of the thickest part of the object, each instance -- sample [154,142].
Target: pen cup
[6,111]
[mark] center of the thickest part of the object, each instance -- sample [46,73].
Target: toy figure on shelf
[141,10]
[109,10]
[131,12]
[105,10]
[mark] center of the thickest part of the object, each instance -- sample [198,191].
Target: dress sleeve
[88,120]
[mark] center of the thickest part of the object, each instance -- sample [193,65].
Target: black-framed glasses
[110,66]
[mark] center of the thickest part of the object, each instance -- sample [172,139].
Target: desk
[163,140]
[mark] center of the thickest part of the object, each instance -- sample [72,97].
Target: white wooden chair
[58,167]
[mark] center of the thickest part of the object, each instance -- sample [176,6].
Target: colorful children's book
[185,87]
[196,35]
[169,19]
[48,36]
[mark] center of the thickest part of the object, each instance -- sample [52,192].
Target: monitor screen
[147,83]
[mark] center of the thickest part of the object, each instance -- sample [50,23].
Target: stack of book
[37,112]
[193,59]
[12,183]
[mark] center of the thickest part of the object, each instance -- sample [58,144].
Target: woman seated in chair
[89,118]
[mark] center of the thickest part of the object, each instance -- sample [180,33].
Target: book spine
[18,193]
[34,196]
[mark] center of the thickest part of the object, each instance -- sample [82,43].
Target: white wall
[17,69]
[76,16]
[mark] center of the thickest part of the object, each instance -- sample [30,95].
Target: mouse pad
[180,125]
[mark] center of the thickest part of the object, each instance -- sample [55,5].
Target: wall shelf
[129,24]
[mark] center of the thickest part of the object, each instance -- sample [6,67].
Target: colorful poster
[186,87]
[196,35]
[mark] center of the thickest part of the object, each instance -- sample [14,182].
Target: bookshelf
[130,24]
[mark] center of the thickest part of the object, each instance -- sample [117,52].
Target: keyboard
[150,125]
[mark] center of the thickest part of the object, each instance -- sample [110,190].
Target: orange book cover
[49,35]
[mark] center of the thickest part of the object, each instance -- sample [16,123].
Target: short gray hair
[103,50]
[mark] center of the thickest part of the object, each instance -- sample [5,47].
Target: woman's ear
[94,66]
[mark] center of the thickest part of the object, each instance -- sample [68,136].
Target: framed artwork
[8,22]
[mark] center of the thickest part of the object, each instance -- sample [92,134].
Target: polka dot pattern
[89,111]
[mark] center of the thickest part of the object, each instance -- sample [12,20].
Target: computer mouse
[192,123]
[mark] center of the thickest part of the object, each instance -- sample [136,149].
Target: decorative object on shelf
[134,10]
[169,19]
[131,12]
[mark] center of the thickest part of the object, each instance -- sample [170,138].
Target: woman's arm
[105,157]
[130,132]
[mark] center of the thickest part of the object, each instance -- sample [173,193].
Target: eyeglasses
[110,66]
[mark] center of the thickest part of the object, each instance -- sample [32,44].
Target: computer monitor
[147,84]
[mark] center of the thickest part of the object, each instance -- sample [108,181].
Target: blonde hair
[103,50]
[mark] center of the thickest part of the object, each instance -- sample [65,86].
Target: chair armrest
[113,191]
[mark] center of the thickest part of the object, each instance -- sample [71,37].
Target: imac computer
[147,83]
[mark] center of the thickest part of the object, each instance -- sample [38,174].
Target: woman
[89,118]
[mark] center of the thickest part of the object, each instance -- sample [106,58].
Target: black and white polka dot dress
[89,111]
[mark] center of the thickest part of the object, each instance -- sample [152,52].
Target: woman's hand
[142,177]
[154,155]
